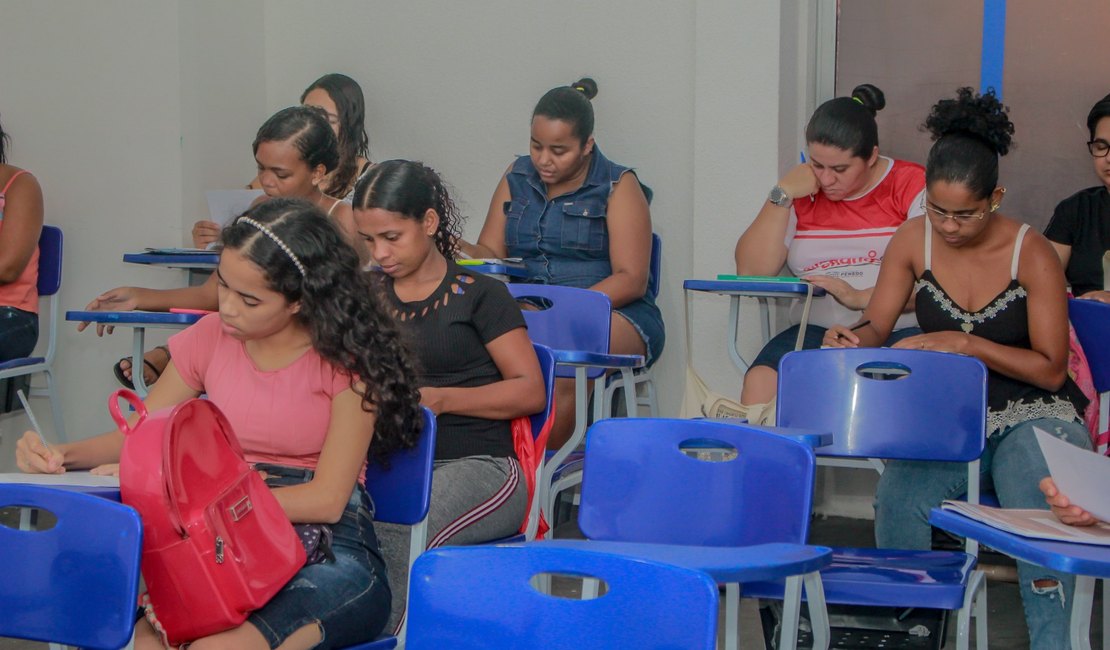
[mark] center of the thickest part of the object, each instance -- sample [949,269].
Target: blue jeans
[19,331]
[1012,465]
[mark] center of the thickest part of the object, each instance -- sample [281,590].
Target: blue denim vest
[563,241]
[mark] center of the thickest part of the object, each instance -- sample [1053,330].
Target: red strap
[12,180]
[530,451]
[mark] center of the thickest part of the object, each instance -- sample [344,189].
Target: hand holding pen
[32,453]
[839,336]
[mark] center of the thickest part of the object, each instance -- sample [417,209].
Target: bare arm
[323,499]
[629,223]
[1063,251]
[131,298]
[761,250]
[491,241]
[519,393]
[22,226]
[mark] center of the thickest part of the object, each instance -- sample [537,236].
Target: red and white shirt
[847,239]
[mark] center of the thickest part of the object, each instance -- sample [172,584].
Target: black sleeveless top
[1005,320]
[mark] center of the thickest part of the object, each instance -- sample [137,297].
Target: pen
[31,417]
[854,328]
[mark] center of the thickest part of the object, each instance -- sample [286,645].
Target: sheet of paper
[68,478]
[1082,475]
[1039,524]
[223,205]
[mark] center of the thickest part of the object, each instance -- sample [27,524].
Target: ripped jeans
[1012,465]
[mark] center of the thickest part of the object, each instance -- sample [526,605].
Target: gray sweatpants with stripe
[475,499]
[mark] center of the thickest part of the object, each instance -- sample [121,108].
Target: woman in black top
[1080,226]
[988,287]
[476,365]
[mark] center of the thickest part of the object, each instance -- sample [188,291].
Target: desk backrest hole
[709,450]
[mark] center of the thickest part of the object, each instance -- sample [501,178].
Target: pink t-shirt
[847,239]
[279,416]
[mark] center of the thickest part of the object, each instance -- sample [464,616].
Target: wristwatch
[779,197]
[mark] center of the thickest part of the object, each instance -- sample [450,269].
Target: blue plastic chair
[894,404]
[402,494]
[50,281]
[1091,320]
[641,486]
[575,325]
[642,376]
[481,597]
[76,583]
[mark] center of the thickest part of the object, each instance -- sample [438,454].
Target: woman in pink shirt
[20,226]
[308,368]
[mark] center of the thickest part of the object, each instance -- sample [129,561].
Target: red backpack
[216,543]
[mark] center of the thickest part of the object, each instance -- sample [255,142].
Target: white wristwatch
[779,197]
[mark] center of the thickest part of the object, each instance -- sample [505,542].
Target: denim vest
[563,241]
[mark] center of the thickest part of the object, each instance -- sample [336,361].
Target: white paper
[1037,524]
[224,205]
[1083,476]
[68,478]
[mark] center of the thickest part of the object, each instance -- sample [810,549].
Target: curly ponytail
[411,188]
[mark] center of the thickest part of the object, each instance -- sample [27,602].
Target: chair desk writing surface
[1087,562]
[206,260]
[139,322]
[763,291]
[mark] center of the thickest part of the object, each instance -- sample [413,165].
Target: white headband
[277,240]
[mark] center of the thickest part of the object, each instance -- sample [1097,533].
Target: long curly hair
[348,325]
[970,133]
[353,140]
[411,188]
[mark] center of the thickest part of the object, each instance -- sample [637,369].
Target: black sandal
[129,384]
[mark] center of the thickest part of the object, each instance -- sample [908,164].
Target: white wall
[126,126]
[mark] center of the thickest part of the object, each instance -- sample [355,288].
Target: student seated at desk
[1080,226]
[308,368]
[295,150]
[475,364]
[577,219]
[829,219]
[340,97]
[20,228]
[988,287]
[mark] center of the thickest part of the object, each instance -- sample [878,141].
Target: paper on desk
[1082,475]
[223,205]
[84,479]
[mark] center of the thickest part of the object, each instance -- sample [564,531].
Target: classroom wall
[688,95]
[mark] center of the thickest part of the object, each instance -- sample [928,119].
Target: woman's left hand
[111,469]
[841,291]
[957,342]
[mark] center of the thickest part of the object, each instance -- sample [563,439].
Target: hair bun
[586,86]
[982,117]
[870,97]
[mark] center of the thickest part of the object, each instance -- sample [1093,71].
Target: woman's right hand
[205,232]
[118,299]
[32,457]
[800,181]
[839,336]
[1064,510]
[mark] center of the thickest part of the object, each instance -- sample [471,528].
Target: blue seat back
[576,319]
[76,583]
[639,486]
[1091,320]
[50,261]
[547,369]
[935,410]
[655,266]
[402,492]
[480,597]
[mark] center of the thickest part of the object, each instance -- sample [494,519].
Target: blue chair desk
[1087,562]
[815,438]
[139,322]
[763,292]
[206,260]
[501,270]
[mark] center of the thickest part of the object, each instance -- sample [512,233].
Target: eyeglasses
[1098,148]
[941,215]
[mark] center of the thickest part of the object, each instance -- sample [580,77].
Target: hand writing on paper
[32,457]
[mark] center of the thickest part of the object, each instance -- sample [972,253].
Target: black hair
[308,128]
[4,142]
[1100,110]
[571,104]
[970,133]
[410,188]
[848,123]
[345,318]
[353,141]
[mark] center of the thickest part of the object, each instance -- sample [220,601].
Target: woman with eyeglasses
[829,220]
[988,287]
[1080,226]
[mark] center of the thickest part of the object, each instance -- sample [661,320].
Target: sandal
[129,384]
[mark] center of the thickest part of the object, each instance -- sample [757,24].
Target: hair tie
[857,100]
[581,89]
[277,240]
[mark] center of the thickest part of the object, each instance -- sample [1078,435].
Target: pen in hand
[31,417]
[854,328]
